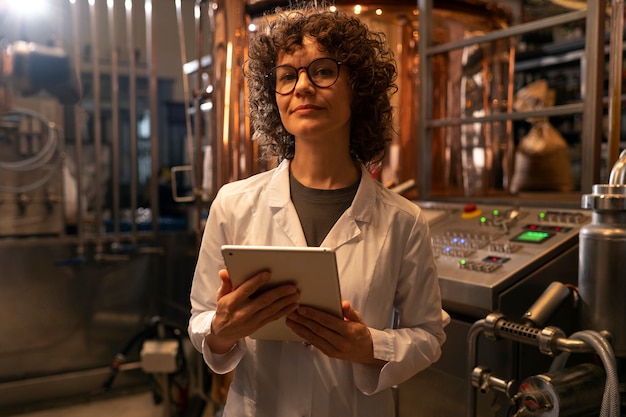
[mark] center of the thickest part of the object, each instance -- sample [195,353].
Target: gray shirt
[319,210]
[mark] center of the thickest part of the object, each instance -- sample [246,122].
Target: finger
[270,295]
[255,309]
[276,314]
[226,286]
[301,328]
[252,285]
[276,303]
[238,317]
[317,323]
[321,317]
[349,313]
[322,338]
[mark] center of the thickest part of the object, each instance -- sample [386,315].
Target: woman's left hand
[347,338]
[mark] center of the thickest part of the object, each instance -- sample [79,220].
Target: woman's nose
[303,83]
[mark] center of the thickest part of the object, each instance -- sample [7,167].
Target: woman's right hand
[238,314]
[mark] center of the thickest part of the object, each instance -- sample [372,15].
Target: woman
[320,85]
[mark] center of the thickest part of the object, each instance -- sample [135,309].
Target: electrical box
[160,356]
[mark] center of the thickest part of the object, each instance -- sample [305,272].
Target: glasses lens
[283,79]
[323,72]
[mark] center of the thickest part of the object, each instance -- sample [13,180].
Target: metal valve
[484,380]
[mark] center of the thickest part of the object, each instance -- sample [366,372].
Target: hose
[611,398]
[46,152]
[36,161]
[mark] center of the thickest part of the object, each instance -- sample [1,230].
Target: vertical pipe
[424,134]
[592,94]
[472,357]
[249,147]
[510,143]
[115,120]
[235,21]
[615,82]
[487,129]
[97,123]
[154,117]
[132,97]
[228,152]
[78,115]
[199,118]
[183,53]
[216,77]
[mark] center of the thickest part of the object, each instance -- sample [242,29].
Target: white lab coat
[384,260]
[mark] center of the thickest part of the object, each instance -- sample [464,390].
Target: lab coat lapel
[283,211]
[348,227]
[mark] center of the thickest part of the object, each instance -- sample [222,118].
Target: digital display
[532,236]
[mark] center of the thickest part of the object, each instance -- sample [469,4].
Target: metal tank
[602,259]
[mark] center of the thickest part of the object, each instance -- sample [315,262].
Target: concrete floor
[135,405]
[131,405]
[414,400]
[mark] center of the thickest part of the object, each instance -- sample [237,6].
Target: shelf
[589,51]
[551,59]
[561,110]
[508,32]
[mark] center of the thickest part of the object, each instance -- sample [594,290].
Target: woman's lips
[305,108]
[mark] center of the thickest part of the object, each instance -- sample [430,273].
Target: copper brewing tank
[471,80]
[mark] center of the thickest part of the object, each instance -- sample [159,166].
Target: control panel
[483,250]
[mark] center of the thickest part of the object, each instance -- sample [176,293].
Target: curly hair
[372,78]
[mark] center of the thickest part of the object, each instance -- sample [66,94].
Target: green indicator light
[496,212]
[483,219]
[462,261]
[542,215]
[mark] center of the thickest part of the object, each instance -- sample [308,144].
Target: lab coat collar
[348,225]
[278,188]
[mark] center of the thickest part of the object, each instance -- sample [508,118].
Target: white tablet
[312,269]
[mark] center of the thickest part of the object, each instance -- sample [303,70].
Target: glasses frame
[306,70]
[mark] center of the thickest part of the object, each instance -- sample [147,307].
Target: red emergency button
[470,211]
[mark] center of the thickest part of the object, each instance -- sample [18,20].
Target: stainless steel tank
[602,259]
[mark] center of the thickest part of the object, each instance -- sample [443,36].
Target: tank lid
[605,197]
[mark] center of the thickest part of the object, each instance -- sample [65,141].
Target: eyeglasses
[322,72]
